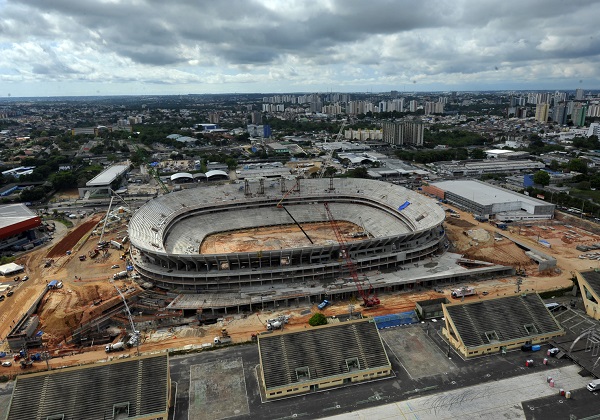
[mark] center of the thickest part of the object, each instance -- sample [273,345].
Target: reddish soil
[68,242]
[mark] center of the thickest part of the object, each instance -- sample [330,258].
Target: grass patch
[65,222]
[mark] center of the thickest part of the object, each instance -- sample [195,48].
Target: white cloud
[241,45]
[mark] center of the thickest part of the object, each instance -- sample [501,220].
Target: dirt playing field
[277,237]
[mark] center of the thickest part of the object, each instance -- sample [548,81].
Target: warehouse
[17,224]
[488,200]
[322,357]
[137,389]
[497,325]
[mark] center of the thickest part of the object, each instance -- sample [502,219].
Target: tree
[63,180]
[577,165]
[317,319]
[478,154]
[541,178]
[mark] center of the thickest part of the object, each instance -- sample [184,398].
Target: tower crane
[281,206]
[135,334]
[369,299]
[154,172]
[330,153]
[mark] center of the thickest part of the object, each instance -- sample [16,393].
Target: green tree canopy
[541,178]
[317,319]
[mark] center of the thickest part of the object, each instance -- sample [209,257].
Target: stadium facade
[166,233]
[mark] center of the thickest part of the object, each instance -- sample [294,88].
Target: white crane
[330,153]
[135,334]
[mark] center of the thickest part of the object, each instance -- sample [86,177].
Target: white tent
[11,268]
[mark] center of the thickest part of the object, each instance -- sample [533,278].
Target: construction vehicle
[120,275]
[114,347]
[463,292]
[224,338]
[135,334]
[323,304]
[26,364]
[94,253]
[369,299]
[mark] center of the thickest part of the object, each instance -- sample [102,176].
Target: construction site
[105,298]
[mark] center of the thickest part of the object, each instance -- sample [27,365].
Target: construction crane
[369,300]
[281,206]
[330,154]
[135,334]
[153,171]
[106,218]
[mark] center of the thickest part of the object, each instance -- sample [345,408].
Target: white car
[115,266]
[6,364]
[25,278]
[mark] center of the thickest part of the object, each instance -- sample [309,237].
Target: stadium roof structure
[592,277]
[319,353]
[216,172]
[16,218]
[501,320]
[107,176]
[485,194]
[181,175]
[137,386]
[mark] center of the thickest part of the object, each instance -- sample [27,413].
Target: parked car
[25,278]
[10,293]
[2,298]
[17,278]
[115,266]
[6,364]
[553,351]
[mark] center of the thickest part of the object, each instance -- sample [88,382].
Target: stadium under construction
[387,231]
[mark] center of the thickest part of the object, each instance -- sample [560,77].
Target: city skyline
[142,47]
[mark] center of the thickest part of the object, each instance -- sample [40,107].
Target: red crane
[369,300]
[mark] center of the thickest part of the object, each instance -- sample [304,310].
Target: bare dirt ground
[68,242]
[276,237]
[68,307]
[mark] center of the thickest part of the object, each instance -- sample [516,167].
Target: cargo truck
[463,292]
[120,275]
[114,347]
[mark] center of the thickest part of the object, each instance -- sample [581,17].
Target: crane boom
[368,300]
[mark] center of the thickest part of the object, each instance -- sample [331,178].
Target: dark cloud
[326,42]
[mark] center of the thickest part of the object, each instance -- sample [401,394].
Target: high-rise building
[406,132]
[541,112]
[412,106]
[578,116]
[559,114]
[579,95]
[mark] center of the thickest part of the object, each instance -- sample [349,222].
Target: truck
[114,347]
[222,340]
[463,292]
[323,304]
[594,385]
[120,275]
[116,244]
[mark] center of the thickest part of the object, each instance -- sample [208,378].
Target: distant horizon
[143,47]
[382,92]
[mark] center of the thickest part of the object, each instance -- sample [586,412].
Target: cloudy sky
[108,47]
